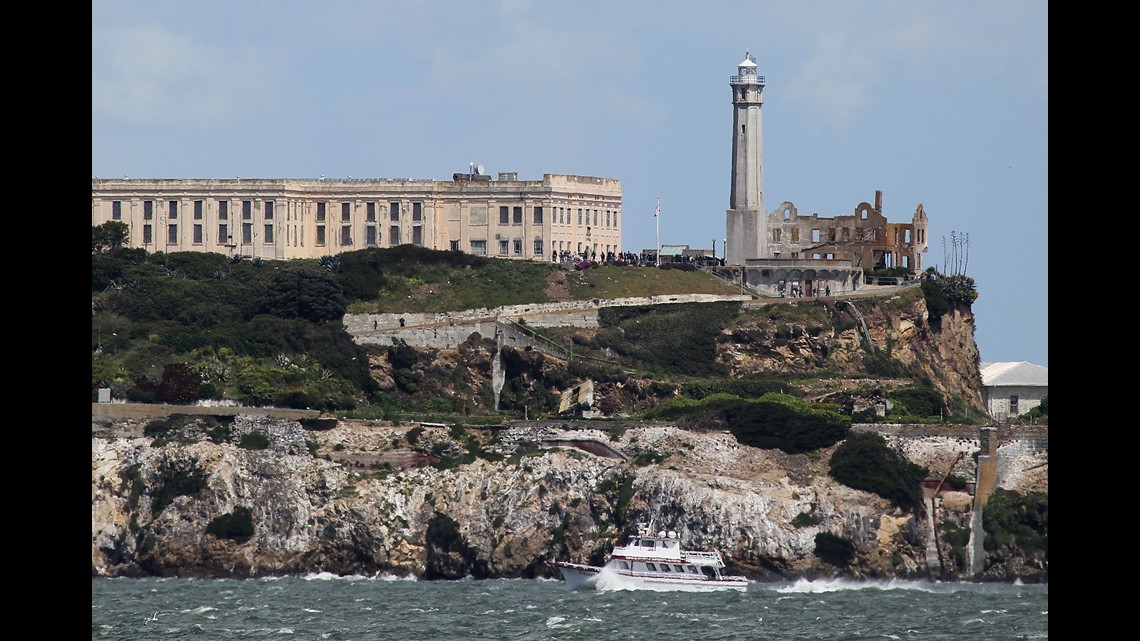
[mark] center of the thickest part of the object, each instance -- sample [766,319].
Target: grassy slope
[502,282]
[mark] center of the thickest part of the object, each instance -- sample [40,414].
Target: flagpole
[657,218]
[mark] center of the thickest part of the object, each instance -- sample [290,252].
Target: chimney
[879,200]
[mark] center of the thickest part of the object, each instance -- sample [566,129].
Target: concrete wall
[1028,397]
[446,330]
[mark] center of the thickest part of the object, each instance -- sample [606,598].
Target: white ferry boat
[653,562]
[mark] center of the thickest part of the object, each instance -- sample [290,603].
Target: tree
[109,237]
[312,294]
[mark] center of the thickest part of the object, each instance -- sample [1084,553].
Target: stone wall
[446,330]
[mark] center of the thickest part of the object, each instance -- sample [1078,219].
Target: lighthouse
[746,228]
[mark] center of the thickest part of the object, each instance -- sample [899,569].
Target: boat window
[652,568]
[664,567]
[647,543]
[693,569]
[678,568]
[624,565]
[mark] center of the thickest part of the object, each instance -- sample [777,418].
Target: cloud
[150,76]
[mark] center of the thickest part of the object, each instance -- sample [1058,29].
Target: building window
[370,236]
[223,210]
[320,235]
[795,234]
[417,235]
[268,234]
[148,234]
[504,215]
[538,216]
[595,217]
[172,234]
[607,218]
[320,212]
[197,210]
[345,212]
[148,209]
[479,247]
[417,211]
[173,210]
[394,235]
[579,215]
[345,235]
[537,246]
[517,219]
[370,212]
[776,233]
[247,210]
[268,210]
[247,233]
[223,234]
[197,234]
[1013,411]
[615,219]
[517,247]
[394,212]
[455,245]
[116,210]
[504,246]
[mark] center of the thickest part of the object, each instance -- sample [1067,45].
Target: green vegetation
[805,519]
[773,421]
[190,326]
[254,440]
[833,549]
[1016,526]
[955,538]
[175,478]
[1040,412]
[237,525]
[864,461]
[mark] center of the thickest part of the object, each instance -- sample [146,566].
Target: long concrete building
[284,218]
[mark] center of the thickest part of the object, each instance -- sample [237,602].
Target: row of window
[507,215]
[371,237]
[563,216]
[247,210]
[663,567]
[860,234]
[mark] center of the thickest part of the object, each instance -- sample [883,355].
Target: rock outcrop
[374,497]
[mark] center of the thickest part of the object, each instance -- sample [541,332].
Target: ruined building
[777,251]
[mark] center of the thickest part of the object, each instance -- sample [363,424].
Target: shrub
[864,461]
[254,440]
[780,421]
[833,549]
[236,526]
[805,519]
[175,479]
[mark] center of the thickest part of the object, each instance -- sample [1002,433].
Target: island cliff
[246,496]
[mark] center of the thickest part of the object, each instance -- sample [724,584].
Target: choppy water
[358,608]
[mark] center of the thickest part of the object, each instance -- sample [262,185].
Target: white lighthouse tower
[746,228]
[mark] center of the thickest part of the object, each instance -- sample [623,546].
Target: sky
[943,104]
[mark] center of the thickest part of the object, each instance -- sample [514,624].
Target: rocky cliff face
[358,499]
[843,334]
[252,496]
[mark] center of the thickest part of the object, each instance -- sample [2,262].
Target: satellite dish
[479,169]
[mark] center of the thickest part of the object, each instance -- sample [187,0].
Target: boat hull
[577,575]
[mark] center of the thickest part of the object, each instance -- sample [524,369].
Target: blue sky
[939,103]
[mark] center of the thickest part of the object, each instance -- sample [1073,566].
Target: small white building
[1012,388]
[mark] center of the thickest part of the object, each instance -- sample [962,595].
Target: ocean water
[323,606]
